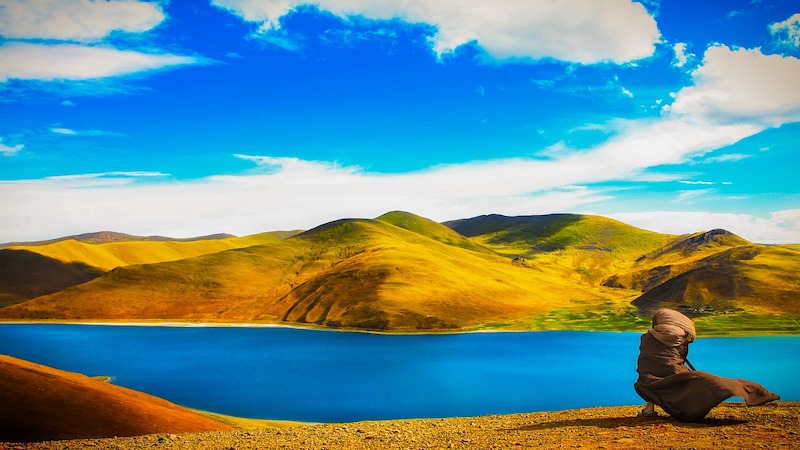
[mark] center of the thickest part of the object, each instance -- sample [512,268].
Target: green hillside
[367,274]
[725,282]
[402,272]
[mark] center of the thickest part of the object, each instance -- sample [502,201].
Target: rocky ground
[729,426]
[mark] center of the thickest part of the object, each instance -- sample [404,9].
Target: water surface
[326,376]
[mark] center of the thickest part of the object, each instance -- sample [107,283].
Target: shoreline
[206,324]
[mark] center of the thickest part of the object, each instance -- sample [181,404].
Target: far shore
[312,327]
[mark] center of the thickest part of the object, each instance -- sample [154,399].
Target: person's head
[672,328]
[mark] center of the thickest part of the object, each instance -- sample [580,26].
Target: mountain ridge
[403,272]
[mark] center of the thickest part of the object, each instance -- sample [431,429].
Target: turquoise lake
[329,376]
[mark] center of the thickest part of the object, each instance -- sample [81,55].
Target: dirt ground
[728,426]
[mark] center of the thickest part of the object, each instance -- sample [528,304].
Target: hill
[354,273]
[39,403]
[727,283]
[402,272]
[28,271]
[102,237]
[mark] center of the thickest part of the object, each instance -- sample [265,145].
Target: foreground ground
[731,425]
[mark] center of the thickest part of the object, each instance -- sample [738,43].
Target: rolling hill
[402,272]
[39,403]
[39,268]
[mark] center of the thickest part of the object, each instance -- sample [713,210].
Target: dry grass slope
[402,272]
[39,403]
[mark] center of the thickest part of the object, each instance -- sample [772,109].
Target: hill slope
[118,252]
[704,274]
[39,403]
[356,273]
[25,275]
[404,272]
[43,268]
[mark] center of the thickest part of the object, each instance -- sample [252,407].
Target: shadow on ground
[617,422]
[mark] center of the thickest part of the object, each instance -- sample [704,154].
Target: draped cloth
[667,382]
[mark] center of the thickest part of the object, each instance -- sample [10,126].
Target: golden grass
[111,255]
[401,272]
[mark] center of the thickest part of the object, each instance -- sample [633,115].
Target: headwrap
[672,328]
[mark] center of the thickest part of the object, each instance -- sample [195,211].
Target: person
[666,381]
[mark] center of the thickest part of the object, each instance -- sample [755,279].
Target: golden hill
[39,403]
[118,253]
[28,271]
[406,273]
[367,274]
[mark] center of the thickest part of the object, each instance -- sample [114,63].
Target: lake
[330,376]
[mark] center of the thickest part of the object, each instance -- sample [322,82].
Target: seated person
[664,379]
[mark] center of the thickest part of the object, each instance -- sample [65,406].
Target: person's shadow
[615,422]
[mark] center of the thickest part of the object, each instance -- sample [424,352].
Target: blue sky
[192,117]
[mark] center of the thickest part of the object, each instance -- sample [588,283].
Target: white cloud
[689,196]
[787,33]
[64,131]
[627,93]
[681,57]
[618,31]
[7,150]
[73,24]
[302,194]
[779,227]
[730,157]
[71,132]
[75,20]
[288,193]
[25,61]
[742,86]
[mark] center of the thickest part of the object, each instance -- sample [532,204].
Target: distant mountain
[103,237]
[405,272]
[39,403]
[30,271]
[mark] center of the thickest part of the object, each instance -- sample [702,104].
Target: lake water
[327,376]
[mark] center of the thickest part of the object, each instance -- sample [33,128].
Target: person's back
[657,360]
[664,380]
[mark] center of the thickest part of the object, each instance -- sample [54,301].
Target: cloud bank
[616,31]
[75,20]
[79,28]
[287,193]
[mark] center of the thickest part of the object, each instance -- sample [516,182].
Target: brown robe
[665,380]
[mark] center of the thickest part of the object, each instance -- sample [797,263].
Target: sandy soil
[729,426]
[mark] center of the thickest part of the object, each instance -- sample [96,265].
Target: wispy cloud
[696,182]
[24,61]
[571,30]
[787,33]
[9,150]
[48,40]
[690,195]
[71,132]
[301,194]
[730,157]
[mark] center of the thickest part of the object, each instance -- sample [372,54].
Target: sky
[189,117]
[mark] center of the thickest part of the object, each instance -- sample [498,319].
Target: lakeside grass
[711,325]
